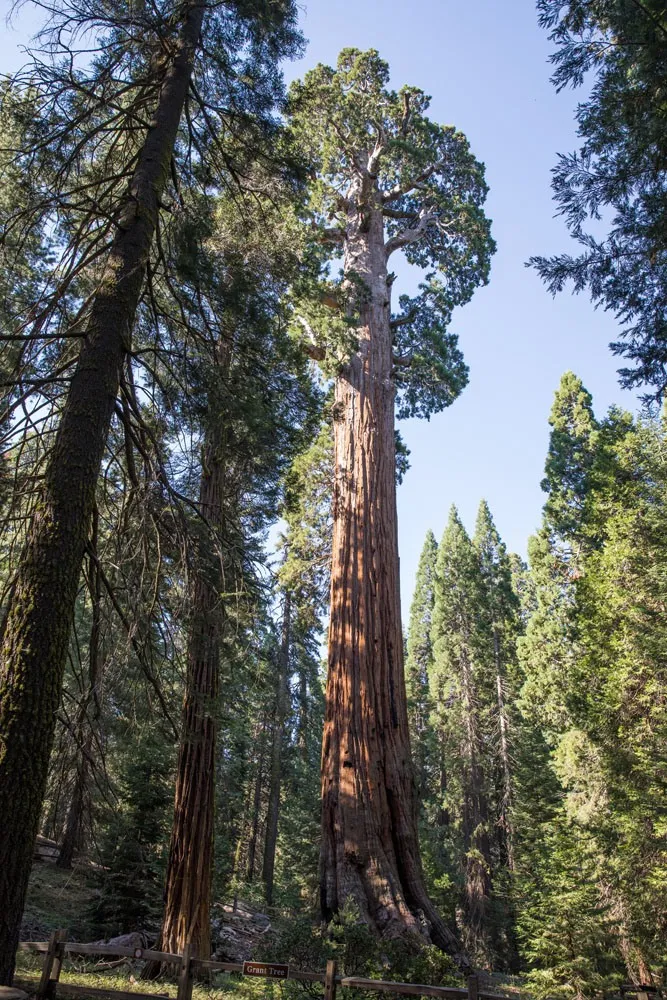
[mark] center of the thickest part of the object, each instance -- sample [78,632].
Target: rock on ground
[236,932]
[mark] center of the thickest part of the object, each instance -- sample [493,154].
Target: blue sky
[485,64]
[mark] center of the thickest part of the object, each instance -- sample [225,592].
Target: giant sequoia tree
[386,179]
[111,127]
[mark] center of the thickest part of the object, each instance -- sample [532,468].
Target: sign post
[269,970]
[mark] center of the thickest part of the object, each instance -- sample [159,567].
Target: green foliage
[429,369]
[134,846]
[419,663]
[572,449]
[618,173]
[592,854]
[430,189]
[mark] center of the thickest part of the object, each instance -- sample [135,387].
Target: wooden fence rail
[57,947]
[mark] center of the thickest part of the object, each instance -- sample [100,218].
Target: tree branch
[403,320]
[400,189]
[310,346]
[410,235]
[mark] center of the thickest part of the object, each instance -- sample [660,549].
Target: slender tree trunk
[475,826]
[74,825]
[443,811]
[505,818]
[256,806]
[187,907]
[370,851]
[303,716]
[37,626]
[282,697]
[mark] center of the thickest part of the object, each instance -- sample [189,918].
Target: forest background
[534,701]
[486,67]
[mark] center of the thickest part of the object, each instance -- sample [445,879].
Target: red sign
[270,970]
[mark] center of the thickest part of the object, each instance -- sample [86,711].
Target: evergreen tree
[419,664]
[134,93]
[460,686]
[595,575]
[387,179]
[619,46]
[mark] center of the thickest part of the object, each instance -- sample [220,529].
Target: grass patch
[55,899]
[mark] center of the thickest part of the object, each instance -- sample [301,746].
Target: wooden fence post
[330,980]
[185,978]
[473,987]
[53,961]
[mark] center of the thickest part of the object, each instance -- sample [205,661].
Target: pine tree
[132,174]
[419,663]
[618,47]
[460,689]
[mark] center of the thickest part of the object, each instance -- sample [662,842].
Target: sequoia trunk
[187,908]
[36,629]
[370,851]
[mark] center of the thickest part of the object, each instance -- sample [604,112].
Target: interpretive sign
[270,970]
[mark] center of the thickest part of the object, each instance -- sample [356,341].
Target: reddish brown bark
[187,908]
[36,629]
[370,851]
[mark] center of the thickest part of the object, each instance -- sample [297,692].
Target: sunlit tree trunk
[187,908]
[370,851]
[37,626]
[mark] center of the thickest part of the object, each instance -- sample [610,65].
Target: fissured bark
[370,850]
[37,625]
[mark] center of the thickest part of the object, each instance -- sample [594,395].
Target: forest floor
[57,898]
[63,899]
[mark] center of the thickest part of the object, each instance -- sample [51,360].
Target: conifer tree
[618,173]
[500,610]
[387,179]
[419,662]
[134,93]
[460,690]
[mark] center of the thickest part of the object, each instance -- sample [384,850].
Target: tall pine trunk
[477,846]
[505,818]
[370,850]
[256,808]
[37,626]
[187,907]
[74,824]
[282,698]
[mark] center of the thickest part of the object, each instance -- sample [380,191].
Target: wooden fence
[58,947]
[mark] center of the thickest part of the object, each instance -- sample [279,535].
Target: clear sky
[484,62]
